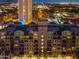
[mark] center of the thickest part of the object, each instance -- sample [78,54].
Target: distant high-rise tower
[25,11]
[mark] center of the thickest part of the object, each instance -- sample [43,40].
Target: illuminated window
[68,37]
[42,47]
[42,43]
[35,35]
[42,50]
[1,27]
[77,37]
[3,37]
[67,34]
[42,36]
[19,33]
[42,39]
[16,45]
[2,33]
[54,48]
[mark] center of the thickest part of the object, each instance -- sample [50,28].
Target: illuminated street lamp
[15,57]
[24,57]
[68,57]
[49,57]
[42,57]
[34,57]
[60,57]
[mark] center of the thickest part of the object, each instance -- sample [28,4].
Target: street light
[68,57]
[49,57]
[42,57]
[24,57]
[15,57]
[34,57]
[60,57]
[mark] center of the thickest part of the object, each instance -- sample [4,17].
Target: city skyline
[39,29]
[14,1]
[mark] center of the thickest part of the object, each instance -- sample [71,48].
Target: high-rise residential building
[43,38]
[25,11]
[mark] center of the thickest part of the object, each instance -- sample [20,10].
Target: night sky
[43,1]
